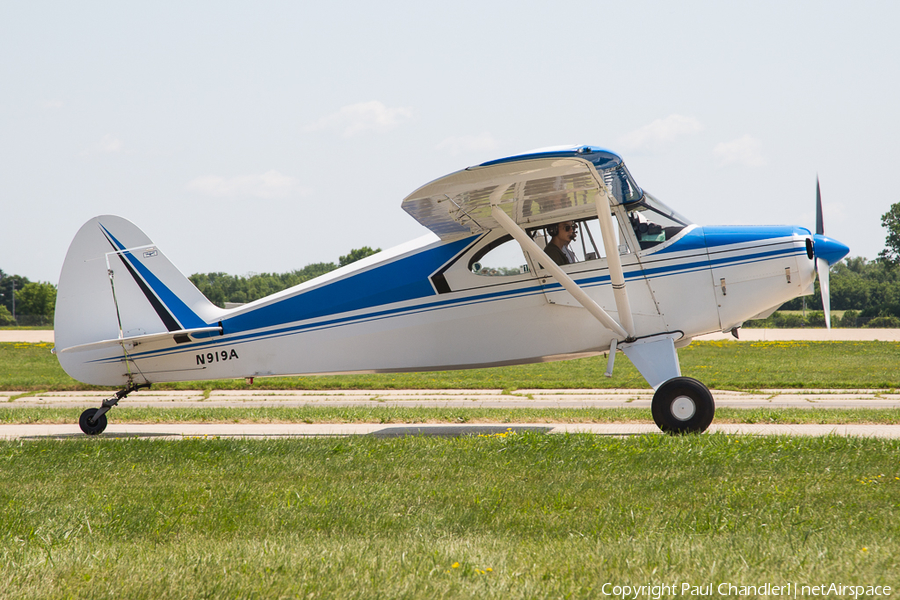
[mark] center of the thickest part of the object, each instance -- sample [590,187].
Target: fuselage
[423,307]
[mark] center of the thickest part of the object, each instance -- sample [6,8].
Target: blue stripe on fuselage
[396,281]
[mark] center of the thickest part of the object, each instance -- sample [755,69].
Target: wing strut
[513,229]
[616,275]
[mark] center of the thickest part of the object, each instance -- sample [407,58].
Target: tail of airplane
[117,288]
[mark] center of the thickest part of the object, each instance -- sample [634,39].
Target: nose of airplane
[828,249]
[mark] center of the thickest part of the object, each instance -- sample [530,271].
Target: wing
[533,189]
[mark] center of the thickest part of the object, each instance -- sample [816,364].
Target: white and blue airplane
[478,290]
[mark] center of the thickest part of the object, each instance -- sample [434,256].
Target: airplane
[479,290]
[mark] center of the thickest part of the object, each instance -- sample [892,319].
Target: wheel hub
[683,408]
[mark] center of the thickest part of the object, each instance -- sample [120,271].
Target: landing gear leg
[93,420]
[683,405]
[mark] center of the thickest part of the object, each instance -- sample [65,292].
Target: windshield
[622,185]
[654,222]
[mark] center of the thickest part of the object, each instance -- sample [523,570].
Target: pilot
[562,234]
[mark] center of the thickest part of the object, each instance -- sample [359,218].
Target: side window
[586,242]
[502,257]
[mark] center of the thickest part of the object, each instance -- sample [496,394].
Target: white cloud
[52,104]
[270,184]
[365,116]
[460,144]
[108,144]
[658,135]
[746,151]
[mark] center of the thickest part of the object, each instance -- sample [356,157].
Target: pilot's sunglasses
[570,227]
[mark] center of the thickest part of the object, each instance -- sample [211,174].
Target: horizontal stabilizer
[132,341]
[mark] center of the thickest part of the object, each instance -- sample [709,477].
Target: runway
[533,398]
[524,398]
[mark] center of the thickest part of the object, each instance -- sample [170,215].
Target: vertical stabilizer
[116,284]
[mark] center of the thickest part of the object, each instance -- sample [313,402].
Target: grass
[503,516]
[392,414]
[719,364]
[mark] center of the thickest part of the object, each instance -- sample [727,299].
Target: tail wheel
[84,421]
[683,405]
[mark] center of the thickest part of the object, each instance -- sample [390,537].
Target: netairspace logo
[789,590]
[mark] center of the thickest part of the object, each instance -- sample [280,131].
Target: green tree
[7,284]
[891,221]
[357,254]
[6,318]
[221,287]
[36,299]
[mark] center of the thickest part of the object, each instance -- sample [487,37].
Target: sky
[251,137]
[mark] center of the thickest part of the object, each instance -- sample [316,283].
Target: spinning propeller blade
[820,226]
[822,270]
[828,252]
[821,263]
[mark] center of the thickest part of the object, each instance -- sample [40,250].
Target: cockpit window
[587,243]
[654,222]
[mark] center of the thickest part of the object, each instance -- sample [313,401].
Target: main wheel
[683,405]
[84,421]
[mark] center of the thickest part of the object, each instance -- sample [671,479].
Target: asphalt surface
[534,398]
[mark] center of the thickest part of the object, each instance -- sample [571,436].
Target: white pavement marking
[291,430]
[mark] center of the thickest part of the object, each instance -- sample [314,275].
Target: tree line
[24,302]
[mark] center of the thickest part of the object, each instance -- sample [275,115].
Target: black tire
[683,405]
[84,421]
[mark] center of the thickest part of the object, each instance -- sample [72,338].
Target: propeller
[827,252]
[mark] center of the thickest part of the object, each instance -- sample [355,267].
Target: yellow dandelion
[455,565]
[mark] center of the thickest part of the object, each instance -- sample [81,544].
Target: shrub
[888,322]
[850,319]
[815,319]
[6,318]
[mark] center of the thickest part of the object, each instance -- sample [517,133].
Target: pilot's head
[563,233]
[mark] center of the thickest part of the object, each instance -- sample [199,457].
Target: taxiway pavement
[523,398]
[534,398]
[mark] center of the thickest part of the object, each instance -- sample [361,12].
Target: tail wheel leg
[93,420]
[683,405]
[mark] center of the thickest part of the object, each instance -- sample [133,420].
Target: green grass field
[503,516]
[720,365]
